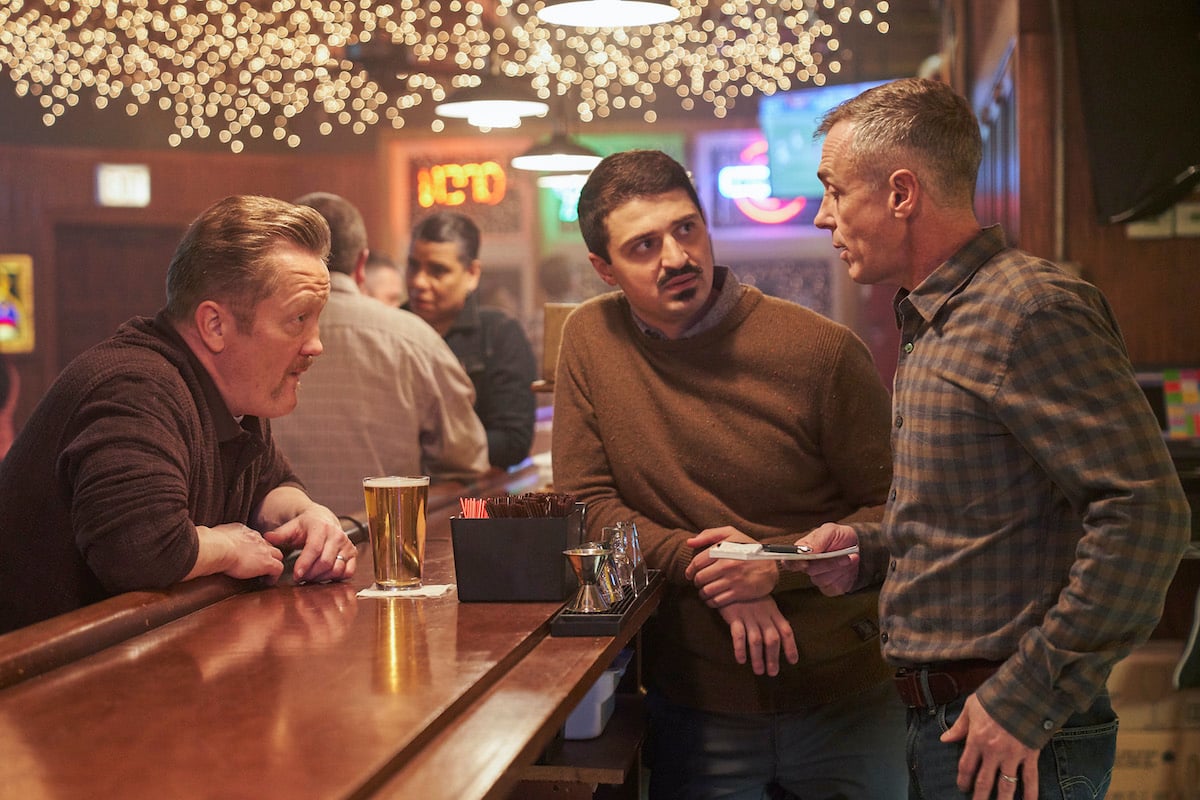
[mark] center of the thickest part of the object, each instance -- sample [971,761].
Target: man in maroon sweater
[150,460]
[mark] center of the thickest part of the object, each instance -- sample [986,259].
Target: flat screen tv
[788,121]
[1139,66]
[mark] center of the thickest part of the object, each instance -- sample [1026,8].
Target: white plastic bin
[588,719]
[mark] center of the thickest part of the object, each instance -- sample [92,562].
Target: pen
[787,548]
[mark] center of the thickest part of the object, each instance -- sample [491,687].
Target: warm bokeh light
[239,70]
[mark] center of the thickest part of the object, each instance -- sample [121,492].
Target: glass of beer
[396,524]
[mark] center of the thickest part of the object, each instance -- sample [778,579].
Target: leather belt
[938,684]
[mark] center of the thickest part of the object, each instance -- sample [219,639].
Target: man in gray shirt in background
[388,397]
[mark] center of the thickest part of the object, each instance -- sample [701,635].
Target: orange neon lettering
[447,184]
[424,188]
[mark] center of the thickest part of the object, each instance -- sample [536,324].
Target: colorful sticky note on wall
[1181,389]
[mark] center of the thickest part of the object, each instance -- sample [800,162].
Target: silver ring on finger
[1008,778]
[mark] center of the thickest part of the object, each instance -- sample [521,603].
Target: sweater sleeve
[855,430]
[581,466]
[128,470]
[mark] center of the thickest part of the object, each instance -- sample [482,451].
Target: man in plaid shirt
[1035,519]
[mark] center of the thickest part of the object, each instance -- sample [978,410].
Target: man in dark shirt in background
[1035,518]
[150,459]
[443,276]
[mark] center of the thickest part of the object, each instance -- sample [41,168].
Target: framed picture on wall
[16,303]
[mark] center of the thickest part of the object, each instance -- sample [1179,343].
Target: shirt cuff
[1031,713]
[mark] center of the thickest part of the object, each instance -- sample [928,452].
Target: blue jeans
[1076,765]
[852,749]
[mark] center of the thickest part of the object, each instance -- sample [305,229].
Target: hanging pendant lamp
[497,102]
[559,153]
[608,13]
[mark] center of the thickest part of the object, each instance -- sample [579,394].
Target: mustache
[672,274]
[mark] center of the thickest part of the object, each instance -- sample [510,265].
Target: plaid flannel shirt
[1035,516]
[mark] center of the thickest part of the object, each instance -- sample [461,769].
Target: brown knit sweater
[774,422]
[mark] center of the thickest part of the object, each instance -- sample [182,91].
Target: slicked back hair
[225,255]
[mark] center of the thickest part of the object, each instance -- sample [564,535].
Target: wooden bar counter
[307,691]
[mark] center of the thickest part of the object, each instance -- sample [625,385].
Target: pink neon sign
[767,210]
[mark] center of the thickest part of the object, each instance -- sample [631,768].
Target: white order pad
[753,551]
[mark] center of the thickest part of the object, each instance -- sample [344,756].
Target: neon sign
[453,184]
[748,185]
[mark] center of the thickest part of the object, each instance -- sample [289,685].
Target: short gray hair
[914,119]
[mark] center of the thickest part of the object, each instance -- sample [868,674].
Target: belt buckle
[908,684]
[923,686]
[915,686]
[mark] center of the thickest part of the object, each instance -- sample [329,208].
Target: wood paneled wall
[46,190]
[1153,284]
[1007,55]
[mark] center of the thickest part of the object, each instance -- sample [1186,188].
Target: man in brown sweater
[703,410]
[150,460]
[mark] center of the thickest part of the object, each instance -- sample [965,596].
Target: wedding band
[339,558]
[1008,778]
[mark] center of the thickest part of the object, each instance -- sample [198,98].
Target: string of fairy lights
[245,69]
[715,54]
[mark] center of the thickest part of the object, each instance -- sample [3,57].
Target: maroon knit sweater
[123,457]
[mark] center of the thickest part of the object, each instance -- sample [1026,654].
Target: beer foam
[395,482]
